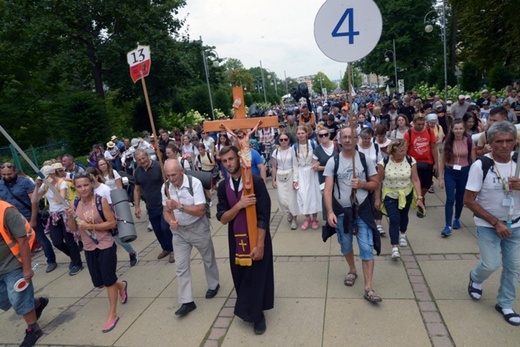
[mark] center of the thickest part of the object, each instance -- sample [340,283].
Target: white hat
[110,144]
[47,170]
[134,142]
[114,137]
[58,166]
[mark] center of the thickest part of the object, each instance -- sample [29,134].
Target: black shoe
[185,309]
[212,292]
[31,336]
[133,259]
[75,270]
[42,304]
[51,267]
[260,326]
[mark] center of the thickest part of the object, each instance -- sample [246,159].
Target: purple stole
[242,249]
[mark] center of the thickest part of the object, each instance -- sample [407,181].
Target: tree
[319,81]
[499,76]
[416,50]
[489,34]
[356,81]
[471,77]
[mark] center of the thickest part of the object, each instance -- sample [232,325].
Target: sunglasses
[323,135]
[283,140]
[6,165]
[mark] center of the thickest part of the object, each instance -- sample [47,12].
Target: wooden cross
[242,122]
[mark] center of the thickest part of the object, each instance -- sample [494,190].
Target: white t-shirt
[491,195]
[104,191]
[370,153]
[53,205]
[208,144]
[345,178]
[111,182]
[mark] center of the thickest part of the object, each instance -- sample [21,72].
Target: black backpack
[99,207]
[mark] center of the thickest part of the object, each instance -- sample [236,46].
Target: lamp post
[429,28]
[286,86]
[206,71]
[263,81]
[395,62]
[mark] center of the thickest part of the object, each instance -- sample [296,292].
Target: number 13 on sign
[139,61]
[347,30]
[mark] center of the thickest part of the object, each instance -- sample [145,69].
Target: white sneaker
[290,217]
[395,253]
[380,229]
[402,240]
[294,225]
[149,228]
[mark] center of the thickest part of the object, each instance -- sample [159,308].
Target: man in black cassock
[254,284]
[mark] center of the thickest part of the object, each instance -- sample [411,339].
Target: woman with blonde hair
[400,185]
[305,179]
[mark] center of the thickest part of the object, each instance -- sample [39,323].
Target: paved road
[425,299]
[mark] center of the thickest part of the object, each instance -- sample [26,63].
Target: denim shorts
[21,302]
[364,238]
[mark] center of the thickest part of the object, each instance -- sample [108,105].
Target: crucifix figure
[245,150]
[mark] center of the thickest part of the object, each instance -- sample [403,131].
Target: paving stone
[436,329]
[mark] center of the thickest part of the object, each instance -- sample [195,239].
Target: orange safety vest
[11,242]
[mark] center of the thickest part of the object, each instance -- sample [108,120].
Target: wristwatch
[181,209]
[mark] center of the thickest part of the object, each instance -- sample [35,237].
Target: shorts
[21,302]
[364,238]
[102,266]
[425,173]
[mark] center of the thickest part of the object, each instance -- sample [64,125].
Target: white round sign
[347,30]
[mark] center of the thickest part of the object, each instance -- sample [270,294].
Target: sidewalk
[425,301]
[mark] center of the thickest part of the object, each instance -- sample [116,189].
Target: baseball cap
[461,97]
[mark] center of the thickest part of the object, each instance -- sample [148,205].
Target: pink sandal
[305,224]
[315,225]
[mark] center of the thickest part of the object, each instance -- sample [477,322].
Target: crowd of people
[336,165]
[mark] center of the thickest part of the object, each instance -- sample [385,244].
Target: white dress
[309,195]
[287,197]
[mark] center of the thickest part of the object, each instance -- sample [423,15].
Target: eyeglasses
[283,140]
[203,134]
[6,165]
[323,135]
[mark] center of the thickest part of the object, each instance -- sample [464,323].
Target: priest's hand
[257,253]
[247,200]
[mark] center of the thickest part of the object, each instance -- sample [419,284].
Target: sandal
[305,224]
[123,295]
[472,291]
[350,280]
[373,298]
[110,325]
[508,316]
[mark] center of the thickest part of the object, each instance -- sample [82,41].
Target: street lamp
[429,28]
[263,82]
[395,63]
[206,71]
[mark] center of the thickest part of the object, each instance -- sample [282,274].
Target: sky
[280,33]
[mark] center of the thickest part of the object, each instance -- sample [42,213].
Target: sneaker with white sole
[294,225]
[380,229]
[402,240]
[395,253]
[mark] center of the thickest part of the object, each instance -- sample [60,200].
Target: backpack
[385,161]
[295,146]
[99,208]
[487,163]
[190,190]
[200,160]
[363,160]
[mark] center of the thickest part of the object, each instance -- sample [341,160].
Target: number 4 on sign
[349,12]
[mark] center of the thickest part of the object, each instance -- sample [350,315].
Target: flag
[387,90]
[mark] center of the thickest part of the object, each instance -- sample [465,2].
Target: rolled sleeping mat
[204,177]
[125,221]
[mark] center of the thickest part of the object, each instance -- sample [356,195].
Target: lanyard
[505,187]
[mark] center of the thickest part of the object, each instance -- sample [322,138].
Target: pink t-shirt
[460,152]
[90,214]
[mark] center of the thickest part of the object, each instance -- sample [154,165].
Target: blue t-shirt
[256,159]
[21,188]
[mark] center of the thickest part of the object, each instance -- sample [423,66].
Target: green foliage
[356,81]
[471,77]
[416,51]
[83,122]
[424,89]
[499,76]
[321,80]
[489,33]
